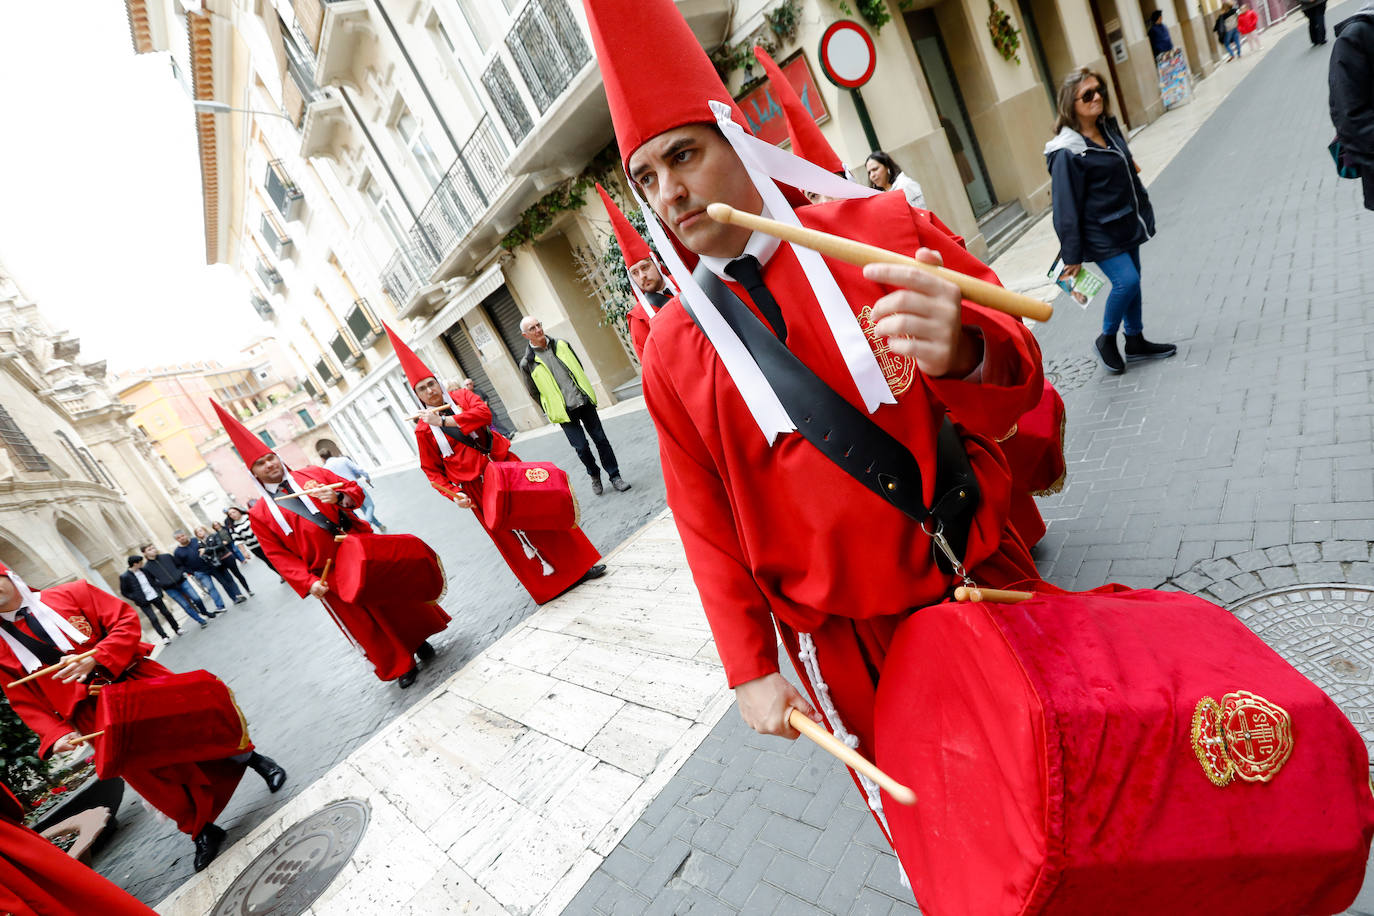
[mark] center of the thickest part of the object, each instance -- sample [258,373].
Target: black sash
[298,509]
[44,650]
[462,438]
[845,434]
[658,300]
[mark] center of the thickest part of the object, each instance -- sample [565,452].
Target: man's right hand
[764,704]
[65,743]
[319,589]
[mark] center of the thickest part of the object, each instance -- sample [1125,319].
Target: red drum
[1116,751]
[528,496]
[386,569]
[160,721]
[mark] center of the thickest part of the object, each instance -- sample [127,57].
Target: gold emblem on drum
[536,475]
[899,370]
[82,624]
[1244,735]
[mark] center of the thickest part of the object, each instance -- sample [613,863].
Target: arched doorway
[84,550]
[31,569]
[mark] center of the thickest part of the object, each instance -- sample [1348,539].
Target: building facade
[427,164]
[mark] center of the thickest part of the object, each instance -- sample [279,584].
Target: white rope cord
[531,551]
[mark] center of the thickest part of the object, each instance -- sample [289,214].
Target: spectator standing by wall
[135,585]
[1160,40]
[1351,83]
[237,519]
[886,175]
[162,568]
[190,560]
[218,545]
[555,378]
[1101,211]
[349,469]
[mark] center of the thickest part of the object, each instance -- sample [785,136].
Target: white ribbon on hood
[65,636]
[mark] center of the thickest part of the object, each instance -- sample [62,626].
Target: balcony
[283,191]
[325,370]
[261,306]
[269,276]
[362,324]
[345,32]
[276,237]
[344,351]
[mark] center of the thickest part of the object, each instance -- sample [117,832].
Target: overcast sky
[100,199]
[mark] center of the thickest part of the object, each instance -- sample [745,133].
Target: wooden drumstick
[993,595]
[420,416]
[980,291]
[51,668]
[327,563]
[82,738]
[314,488]
[850,757]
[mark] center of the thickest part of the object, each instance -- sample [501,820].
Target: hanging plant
[783,19]
[874,12]
[1005,37]
[570,195]
[779,28]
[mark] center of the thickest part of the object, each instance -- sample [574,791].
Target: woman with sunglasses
[1101,211]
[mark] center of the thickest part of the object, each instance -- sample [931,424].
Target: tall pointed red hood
[807,140]
[656,73]
[415,369]
[632,244]
[248,445]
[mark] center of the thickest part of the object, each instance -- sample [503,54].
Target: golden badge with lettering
[899,370]
[1244,735]
[82,624]
[536,475]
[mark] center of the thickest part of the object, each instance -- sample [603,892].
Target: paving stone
[789,834]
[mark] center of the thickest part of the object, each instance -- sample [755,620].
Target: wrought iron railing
[261,306]
[282,190]
[401,277]
[325,370]
[361,323]
[277,240]
[268,274]
[509,105]
[548,48]
[342,349]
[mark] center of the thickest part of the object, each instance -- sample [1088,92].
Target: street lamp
[208,106]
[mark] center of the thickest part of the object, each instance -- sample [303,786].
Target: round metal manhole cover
[1068,373]
[287,877]
[1327,633]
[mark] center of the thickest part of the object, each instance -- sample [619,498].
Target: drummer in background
[456,443]
[298,537]
[38,629]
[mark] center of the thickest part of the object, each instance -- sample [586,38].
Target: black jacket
[163,571]
[190,560]
[129,587]
[1351,83]
[1100,207]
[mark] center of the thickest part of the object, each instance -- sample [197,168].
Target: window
[415,140]
[306,418]
[384,209]
[87,467]
[10,434]
[266,438]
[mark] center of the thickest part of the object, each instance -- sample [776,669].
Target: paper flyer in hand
[1082,287]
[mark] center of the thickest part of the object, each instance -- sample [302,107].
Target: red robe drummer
[455,444]
[772,527]
[298,537]
[38,629]
[39,879]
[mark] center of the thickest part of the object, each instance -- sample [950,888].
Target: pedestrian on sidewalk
[555,378]
[349,469]
[1248,23]
[237,520]
[1225,28]
[218,545]
[1102,212]
[886,175]
[191,560]
[1315,11]
[1160,41]
[455,448]
[163,570]
[135,585]
[1351,83]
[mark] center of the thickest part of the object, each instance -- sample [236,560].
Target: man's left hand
[923,319]
[74,669]
[328,497]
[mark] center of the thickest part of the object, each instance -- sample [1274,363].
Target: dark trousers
[231,567]
[1316,23]
[147,608]
[585,416]
[188,599]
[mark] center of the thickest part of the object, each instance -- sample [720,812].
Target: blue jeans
[208,584]
[186,596]
[368,510]
[1233,42]
[1123,302]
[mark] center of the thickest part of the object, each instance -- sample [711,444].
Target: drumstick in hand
[315,488]
[850,757]
[51,668]
[82,738]
[980,291]
[327,563]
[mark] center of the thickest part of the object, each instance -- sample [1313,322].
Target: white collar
[761,246]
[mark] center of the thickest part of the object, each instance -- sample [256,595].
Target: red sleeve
[432,462]
[1012,378]
[123,631]
[37,712]
[639,330]
[284,560]
[474,413]
[735,608]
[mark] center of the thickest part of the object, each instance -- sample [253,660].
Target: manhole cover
[287,877]
[1068,373]
[1327,633]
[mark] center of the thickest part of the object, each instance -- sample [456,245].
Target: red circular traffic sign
[848,56]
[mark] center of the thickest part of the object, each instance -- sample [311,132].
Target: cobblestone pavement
[1242,465]
[310,698]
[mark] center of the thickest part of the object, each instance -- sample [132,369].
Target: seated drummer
[39,629]
[773,529]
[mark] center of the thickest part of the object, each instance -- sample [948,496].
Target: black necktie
[747,273]
[43,648]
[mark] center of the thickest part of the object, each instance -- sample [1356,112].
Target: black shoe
[1109,354]
[212,614]
[596,572]
[408,678]
[597,488]
[240,599]
[425,652]
[619,484]
[208,842]
[1137,347]
[203,624]
[269,770]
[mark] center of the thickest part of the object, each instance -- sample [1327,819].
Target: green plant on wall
[603,272]
[20,766]
[779,28]
[570,195]
[1005,36]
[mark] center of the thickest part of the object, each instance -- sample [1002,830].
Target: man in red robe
[773,529]
[456,443]
[298,536]
[38,879]
[651,289]
[65,621]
